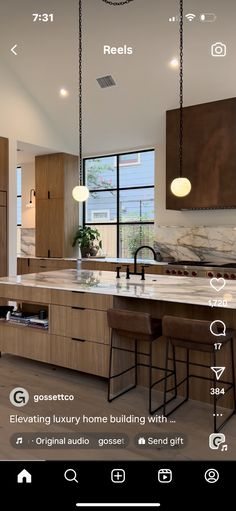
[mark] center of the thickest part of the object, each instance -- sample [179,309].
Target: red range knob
[219,275]
[226,276]
[194,273]
[168,272]
[185,272]
[232,276]
[210,274]
[180,272]
[173,272]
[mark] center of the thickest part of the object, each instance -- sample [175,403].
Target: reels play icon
[164,475]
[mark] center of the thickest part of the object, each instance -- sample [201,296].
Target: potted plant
[88,239]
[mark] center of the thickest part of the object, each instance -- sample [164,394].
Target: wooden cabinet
[3,234]
[209,154]
[25,342]
[57,214]
[80,324]
[88,357]
[49,175]
[4,165]
[77,338]
[37,265]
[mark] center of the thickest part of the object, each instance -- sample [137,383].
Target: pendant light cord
[80,98]
[181,87]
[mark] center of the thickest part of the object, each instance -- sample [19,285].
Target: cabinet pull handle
[79,340]
[49,253]
[79,292]
[43,267]
[79,308]
[49,195]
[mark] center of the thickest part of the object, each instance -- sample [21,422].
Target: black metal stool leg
[187,368]
[110,366]
[166,377]
[136,362]
[150,379]
[174,369]
[121,373]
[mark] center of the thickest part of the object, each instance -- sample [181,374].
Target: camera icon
[218,50]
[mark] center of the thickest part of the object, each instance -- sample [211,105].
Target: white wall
[22,119]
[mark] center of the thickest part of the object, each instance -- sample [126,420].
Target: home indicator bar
[120,504]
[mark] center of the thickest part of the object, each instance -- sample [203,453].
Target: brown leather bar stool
[195,335]
[139,326]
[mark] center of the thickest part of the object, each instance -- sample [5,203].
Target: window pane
[18,210]
[137,169]
[109,240]
[101,207]
[100,173]
[18,180]
[132,237]
[137,205]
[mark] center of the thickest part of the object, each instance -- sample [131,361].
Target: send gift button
[161,441]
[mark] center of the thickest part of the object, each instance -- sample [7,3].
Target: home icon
[24,477]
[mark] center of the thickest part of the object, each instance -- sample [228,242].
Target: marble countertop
[118,260]
[23,256]
[188,290]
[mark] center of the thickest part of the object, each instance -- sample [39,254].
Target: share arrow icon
[218,371]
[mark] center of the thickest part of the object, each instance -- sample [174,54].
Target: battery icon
[207,17]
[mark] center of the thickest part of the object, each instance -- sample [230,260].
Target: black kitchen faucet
[136,272]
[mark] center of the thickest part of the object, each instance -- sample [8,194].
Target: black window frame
[20,196]
[118,189]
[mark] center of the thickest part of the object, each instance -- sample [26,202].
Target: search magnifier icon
[71,475]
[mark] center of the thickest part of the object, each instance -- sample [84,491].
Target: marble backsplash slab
[204,243]
[27,242]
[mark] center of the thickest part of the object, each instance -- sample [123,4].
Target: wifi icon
[190,16]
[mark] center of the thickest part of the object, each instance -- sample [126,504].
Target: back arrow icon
[13,49]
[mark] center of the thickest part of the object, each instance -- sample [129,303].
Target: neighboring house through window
[121,202]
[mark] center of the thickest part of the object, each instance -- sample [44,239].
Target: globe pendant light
[80,192]
[180,186]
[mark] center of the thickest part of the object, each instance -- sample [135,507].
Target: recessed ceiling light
[174,63]
[64,93]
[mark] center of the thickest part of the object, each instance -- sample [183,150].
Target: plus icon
[118,475]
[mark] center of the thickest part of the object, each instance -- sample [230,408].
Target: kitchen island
[76,303]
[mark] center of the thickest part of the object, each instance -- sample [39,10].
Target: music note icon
[224,447]
[19,440]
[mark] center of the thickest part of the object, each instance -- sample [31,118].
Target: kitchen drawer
[25,293]
[80,323]
[25,342]
[89,357]
[82,299]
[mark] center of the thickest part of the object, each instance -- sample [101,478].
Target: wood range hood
[209,160]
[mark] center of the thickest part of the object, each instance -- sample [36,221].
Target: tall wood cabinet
[57,213]
[4,165]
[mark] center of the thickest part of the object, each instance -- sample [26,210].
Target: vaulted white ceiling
[131,114]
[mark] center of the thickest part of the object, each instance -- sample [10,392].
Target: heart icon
[218,284]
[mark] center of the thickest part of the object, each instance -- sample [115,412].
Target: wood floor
[193,419]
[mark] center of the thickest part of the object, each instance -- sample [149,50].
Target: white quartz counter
[187,290]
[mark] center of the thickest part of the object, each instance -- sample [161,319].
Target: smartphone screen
[117,252]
